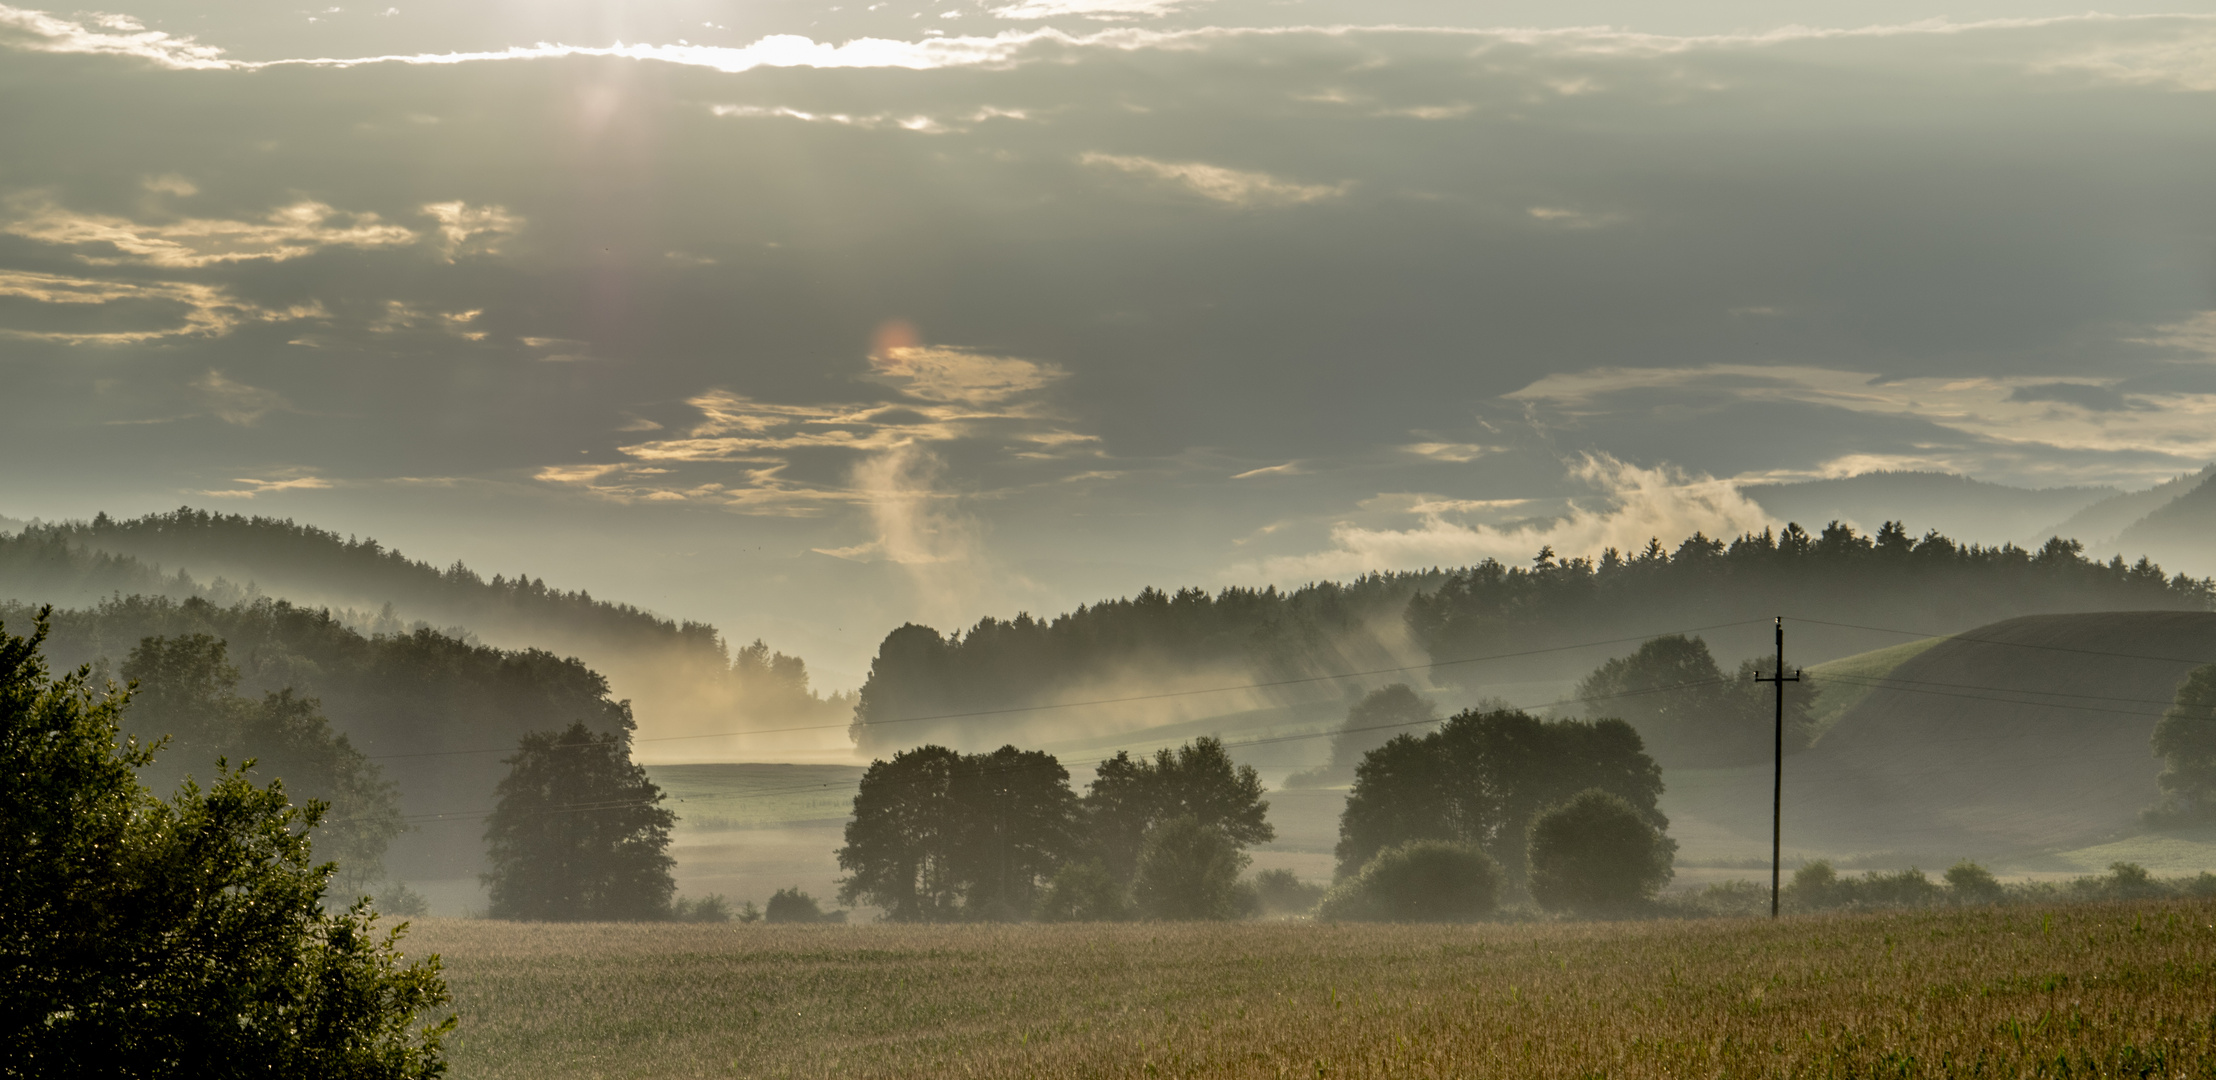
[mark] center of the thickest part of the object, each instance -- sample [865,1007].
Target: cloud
[1631,505]
[265,487]
[113,35]
[288,232]
[1999,418]
[234,402]
[2092,396]
[2183,59]
[472,230]
[1230,186]
[959,376]
[84,311]
[1092,9]
[1459,453]
[1572,219]
[1290,468]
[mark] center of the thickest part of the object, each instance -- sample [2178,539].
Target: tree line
[1888,578]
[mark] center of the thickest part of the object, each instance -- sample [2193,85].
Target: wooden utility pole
[1777,781]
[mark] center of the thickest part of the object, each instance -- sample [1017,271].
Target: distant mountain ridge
[2181,531]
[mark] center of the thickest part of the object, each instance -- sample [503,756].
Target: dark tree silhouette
[1483,776]
[186,693]
[1189,871]
[2185,740]
[1419,881]
[1691,714]
[1129,796]
[1371,722]
[578,832]
[1597,854]
[187,938]
[940,835]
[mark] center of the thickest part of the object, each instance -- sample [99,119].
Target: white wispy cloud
[234,402]
[288,232]
[1235,187]
[1629,504]
[1092,9]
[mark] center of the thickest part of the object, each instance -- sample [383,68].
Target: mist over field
[1086,461]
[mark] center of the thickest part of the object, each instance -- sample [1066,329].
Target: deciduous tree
[578,832]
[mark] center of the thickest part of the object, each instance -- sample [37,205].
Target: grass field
[2093,990]
[1835,694]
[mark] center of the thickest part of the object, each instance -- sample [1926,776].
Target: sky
[811,319]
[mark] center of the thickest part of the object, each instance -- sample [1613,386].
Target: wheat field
[2090,990]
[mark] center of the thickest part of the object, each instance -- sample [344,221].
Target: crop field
[2089,990]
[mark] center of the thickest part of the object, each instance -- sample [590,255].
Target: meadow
[2116,989]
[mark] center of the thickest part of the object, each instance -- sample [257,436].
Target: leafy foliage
[419,695]
[1282,892]
[1481,779]
[1083,891]
[1689,713]
[186,693]
[941,835]
[1419,881]
[578,832]
[2185,740]
[1130,796]
[1597,853]
[186,938]
[793,906]
[1190,870]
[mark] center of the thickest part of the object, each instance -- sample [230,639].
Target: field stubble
[2092,990]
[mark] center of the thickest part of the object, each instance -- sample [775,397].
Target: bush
[1969,883]
[1420,881]
[1084,892]
[1190,871]
[1280,892]
[793,906]
[709,908]
[1596,854]
[1814,886]
[399,899]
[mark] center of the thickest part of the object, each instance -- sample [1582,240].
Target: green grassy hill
[2022,736]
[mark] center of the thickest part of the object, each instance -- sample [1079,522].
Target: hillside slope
[681,677]
[2023,735]
[2181,532]
[2098,525]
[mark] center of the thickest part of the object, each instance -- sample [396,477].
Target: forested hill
[1545,624]
[435,713]
[1136,646]
[682,676]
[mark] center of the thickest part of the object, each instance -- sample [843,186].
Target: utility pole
[1777,781]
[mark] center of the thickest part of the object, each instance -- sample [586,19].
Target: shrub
[1815,885]
[1190,871]
[2129,881]
[709,908]
[1281,892]
[1419,881]
[793,906]
[1596,853]
[1902,888]
[1969,883]
[1084,892]
[399,899]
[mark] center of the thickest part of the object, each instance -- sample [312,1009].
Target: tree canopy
[578,832]
[940,835]
[1688,711]
[2185,740]
[1483,776]
[1371,722]
[186,692]
[180,938]
[1596,853]
[1129,796]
